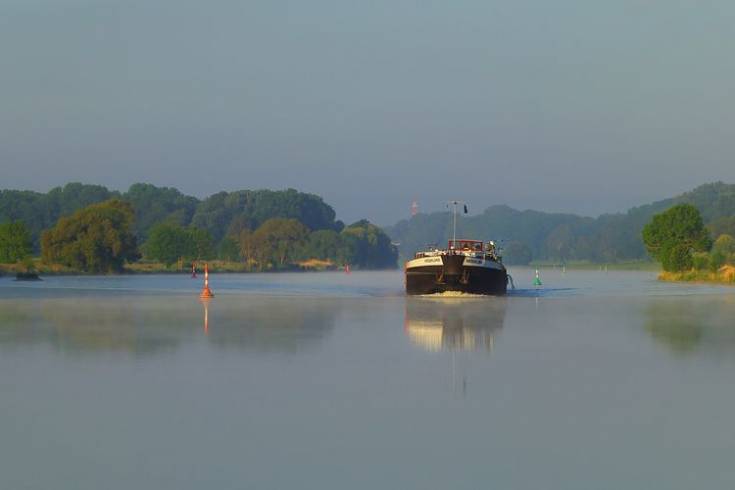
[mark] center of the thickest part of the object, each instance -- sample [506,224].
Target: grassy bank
[38,266]
[726,275]
[148,267]
[632,265]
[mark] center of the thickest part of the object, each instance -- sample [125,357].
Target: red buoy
[206,292]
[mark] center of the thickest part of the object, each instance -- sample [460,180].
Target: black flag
[465,209]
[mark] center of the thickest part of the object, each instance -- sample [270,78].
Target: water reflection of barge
[454,324]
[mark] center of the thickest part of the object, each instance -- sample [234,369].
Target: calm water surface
[597,380]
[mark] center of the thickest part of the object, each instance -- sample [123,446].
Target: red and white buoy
[206,292]
[347,268]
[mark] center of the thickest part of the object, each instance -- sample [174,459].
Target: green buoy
[537,280]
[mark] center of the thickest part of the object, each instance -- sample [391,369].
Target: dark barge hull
[453,276]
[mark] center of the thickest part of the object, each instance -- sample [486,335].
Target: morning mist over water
[283,379]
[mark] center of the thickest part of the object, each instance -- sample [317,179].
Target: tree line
[221,214]
[92,229]
[534,235]
[278,243]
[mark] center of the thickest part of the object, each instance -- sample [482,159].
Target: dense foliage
[227,214]
[674,235]
[725,244]
[229,249]
[366,245]
[276,243]
[154,205]
[15,242]
[41,211]
[280,242]
[563,237]
[722,253]
[222,214]
[170,243]
[98,238]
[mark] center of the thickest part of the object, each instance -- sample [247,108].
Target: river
[604,380]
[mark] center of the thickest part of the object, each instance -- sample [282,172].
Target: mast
[454,225]
[454,233]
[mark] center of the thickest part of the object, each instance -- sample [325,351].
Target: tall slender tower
[414,208]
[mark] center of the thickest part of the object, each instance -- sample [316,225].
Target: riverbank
[147,267]
[220,266]
[631,265]
[725,275]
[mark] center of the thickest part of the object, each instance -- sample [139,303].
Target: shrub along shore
[628,265]
[725,275]
[679,240]
[149,267]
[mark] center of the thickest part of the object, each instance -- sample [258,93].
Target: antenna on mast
[454,226]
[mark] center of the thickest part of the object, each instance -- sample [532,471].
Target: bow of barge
[467,266]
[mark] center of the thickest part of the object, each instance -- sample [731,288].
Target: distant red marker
[206,292]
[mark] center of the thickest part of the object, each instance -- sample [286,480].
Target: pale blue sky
[568,105]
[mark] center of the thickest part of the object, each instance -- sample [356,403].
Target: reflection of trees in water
[16,323]
[689,323]
[139,325]
[144,325]
[270,323]
[453,323]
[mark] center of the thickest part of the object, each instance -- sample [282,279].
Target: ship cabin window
[466,245]
[420,255]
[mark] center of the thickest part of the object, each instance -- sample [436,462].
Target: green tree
[247,246]
[169,243]
[323,245]
[228,213]
[229,249]
[15,242]
[677,258]
[41,211]
[723,252]
[202,246]
[716,260]
[98,238]
[725,243]
[366,245]
[701,261]
[278,241]
[673,235]
[154,205]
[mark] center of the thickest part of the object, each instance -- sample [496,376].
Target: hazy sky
[564,105]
